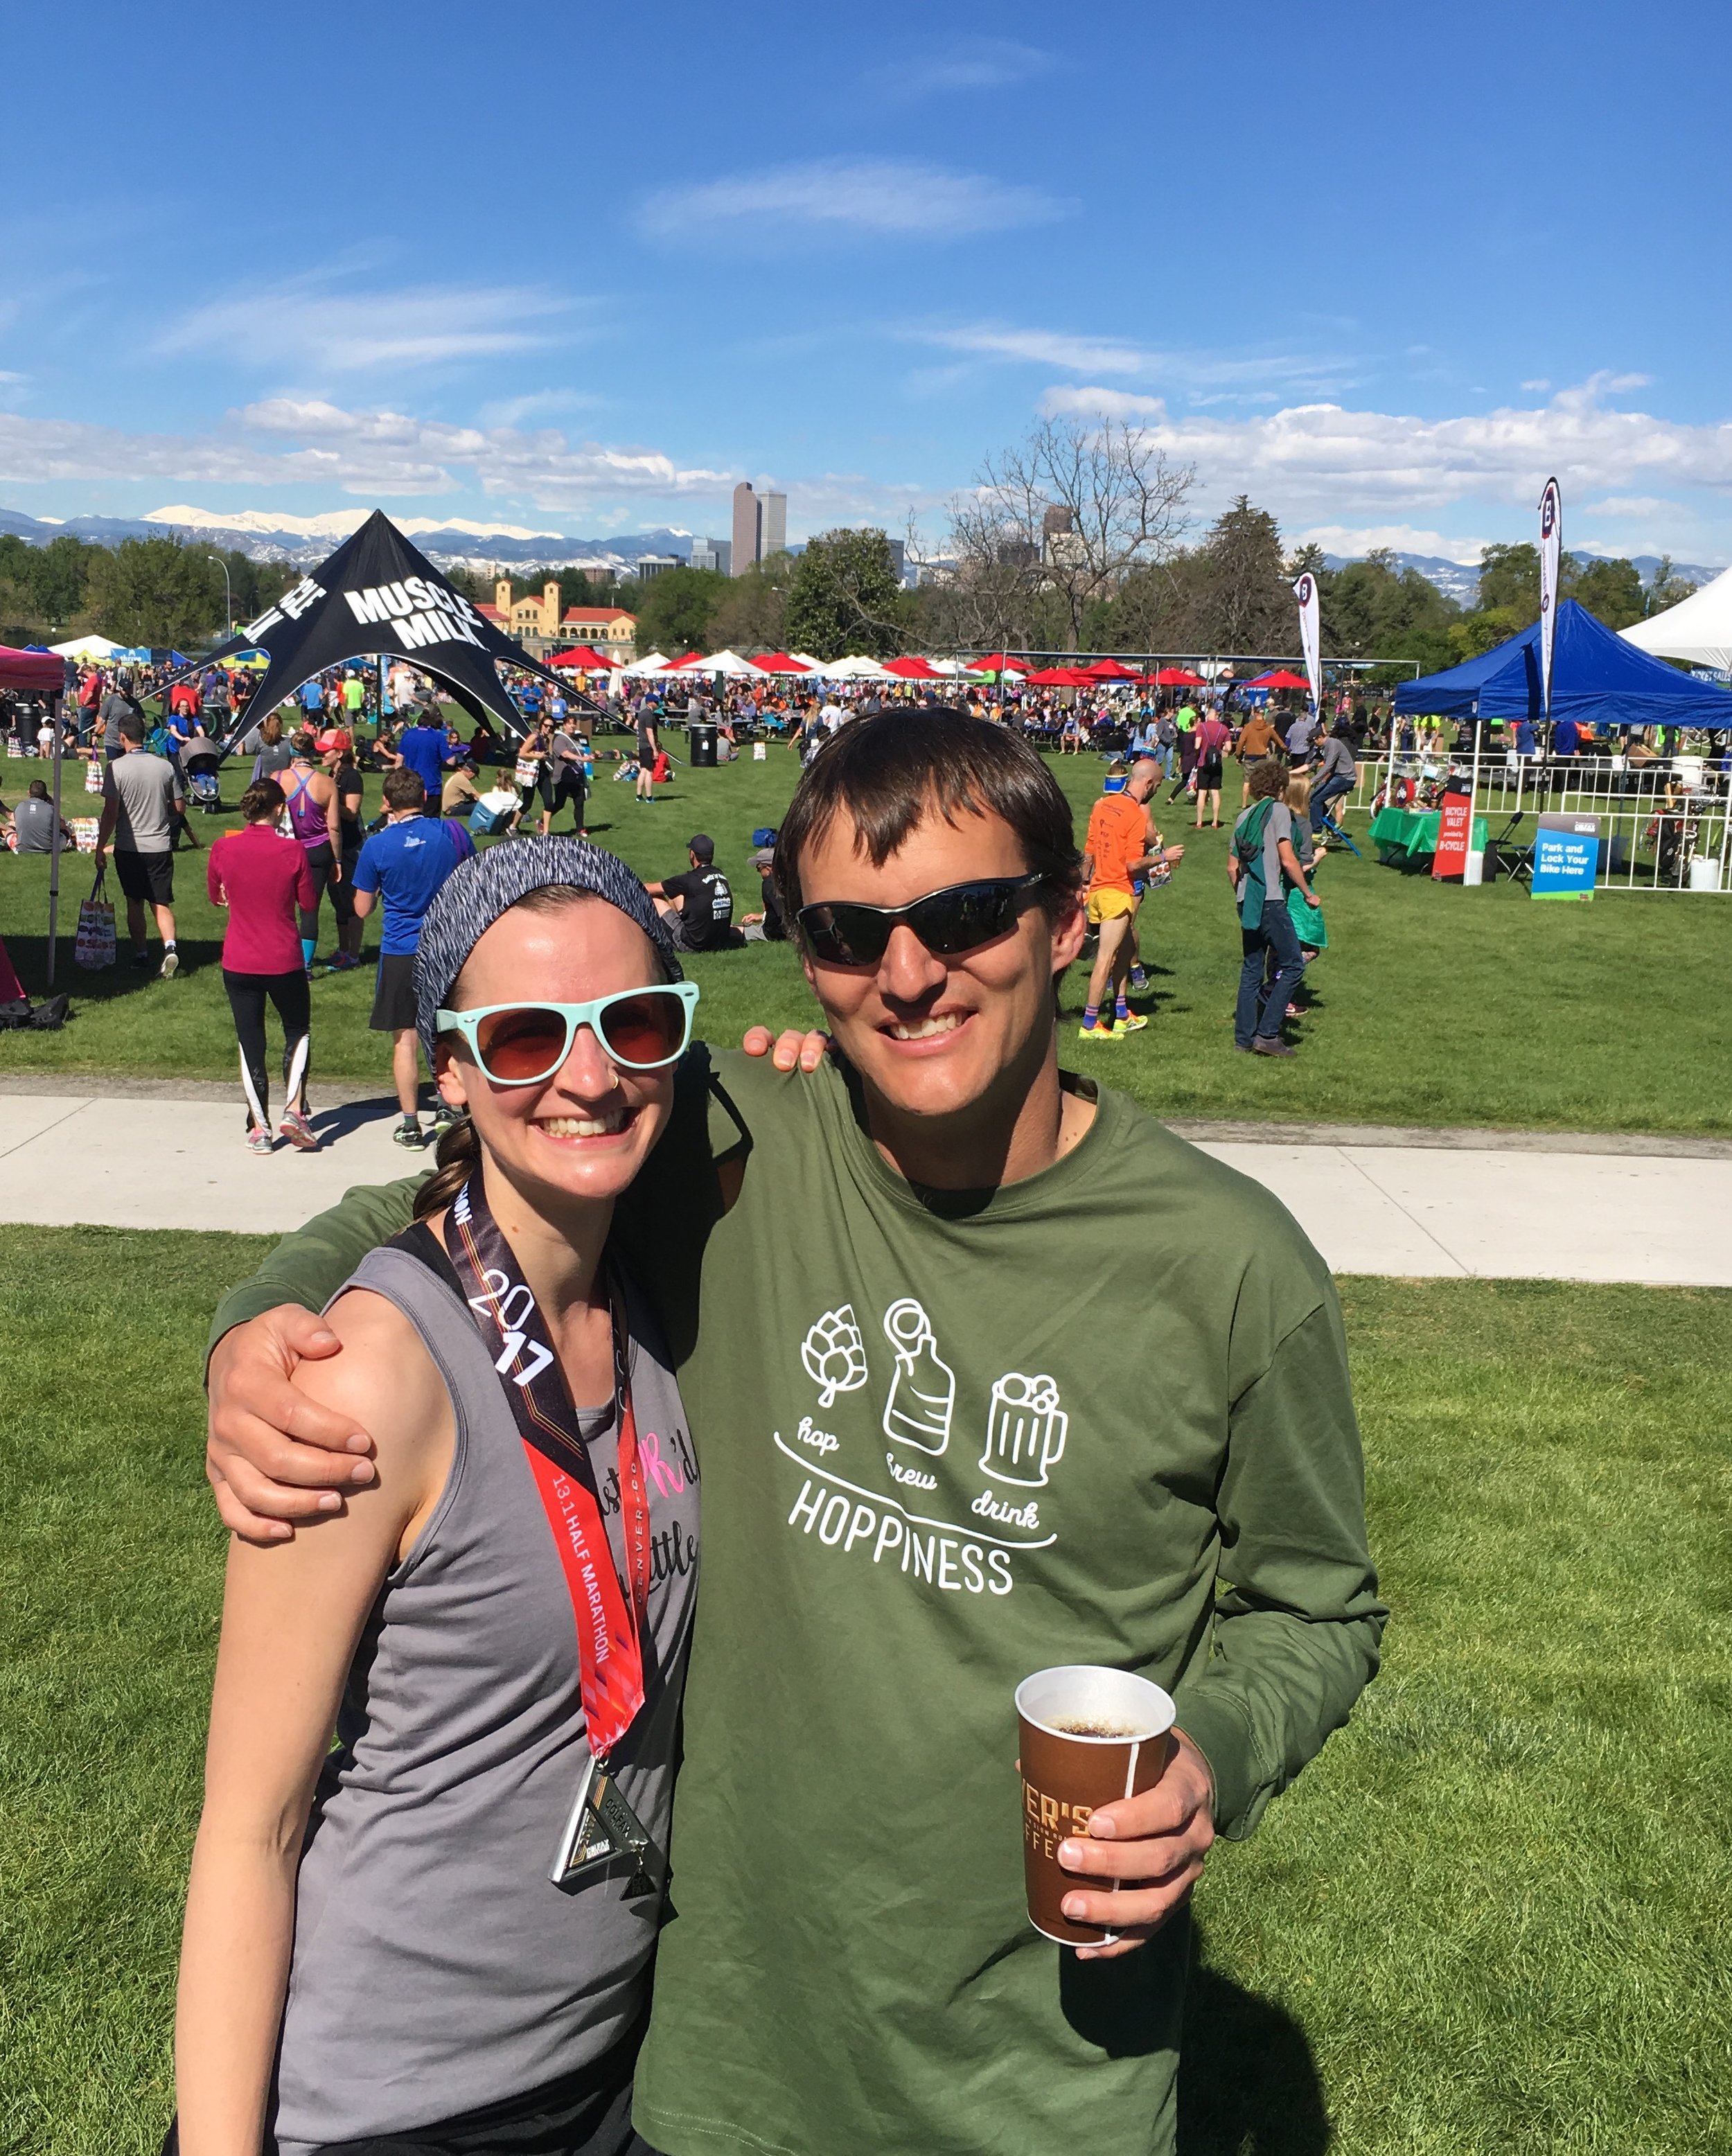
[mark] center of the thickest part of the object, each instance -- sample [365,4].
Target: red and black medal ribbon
[611,1617]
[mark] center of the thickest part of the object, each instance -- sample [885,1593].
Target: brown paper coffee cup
[1088,1736]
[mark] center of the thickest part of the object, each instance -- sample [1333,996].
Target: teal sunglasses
[523,1044]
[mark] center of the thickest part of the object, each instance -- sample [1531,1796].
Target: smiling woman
[477,1741]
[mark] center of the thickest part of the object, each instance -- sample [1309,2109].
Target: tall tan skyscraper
[760,526]
[747,520]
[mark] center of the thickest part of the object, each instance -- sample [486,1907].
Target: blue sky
[1383,269]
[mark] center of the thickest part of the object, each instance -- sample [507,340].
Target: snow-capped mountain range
[272,535]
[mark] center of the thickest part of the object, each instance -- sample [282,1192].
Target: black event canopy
[378,594]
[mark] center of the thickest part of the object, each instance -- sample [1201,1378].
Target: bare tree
[1071,512]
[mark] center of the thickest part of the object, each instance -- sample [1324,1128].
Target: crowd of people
[306,839]
[303,838]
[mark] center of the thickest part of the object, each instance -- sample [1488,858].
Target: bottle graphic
[923,1394]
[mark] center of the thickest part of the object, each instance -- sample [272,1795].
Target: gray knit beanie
[479,890]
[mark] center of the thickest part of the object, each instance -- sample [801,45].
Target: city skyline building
[745,529]
[760,526]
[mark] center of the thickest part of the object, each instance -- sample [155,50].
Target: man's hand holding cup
[1154,1844]
[1118,1808]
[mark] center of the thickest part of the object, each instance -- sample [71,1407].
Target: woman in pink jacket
[263,879]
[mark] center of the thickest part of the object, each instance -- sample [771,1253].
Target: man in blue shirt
[312,697]
[422,749]
[405,863]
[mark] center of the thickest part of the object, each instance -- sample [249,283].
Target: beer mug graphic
[1025,1429]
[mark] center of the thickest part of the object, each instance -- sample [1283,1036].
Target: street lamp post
[227,588]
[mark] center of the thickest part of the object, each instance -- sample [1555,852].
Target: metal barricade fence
[1665,822]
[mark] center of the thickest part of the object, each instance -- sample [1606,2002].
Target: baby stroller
[203,768]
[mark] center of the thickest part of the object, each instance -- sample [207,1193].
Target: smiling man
[923,1481]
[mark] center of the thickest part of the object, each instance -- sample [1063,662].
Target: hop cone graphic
[834,1354]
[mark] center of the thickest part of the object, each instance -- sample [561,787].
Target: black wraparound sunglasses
[961,917]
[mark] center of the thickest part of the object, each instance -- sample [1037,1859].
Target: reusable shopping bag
[95,945]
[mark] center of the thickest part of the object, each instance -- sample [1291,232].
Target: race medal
[611,1615]
[602,1827]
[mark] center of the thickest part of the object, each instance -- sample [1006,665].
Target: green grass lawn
[1434,1004]
[1493,1916]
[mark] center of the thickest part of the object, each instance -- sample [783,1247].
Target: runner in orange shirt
[1117,850]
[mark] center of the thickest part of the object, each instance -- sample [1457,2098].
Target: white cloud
[1096,404]
[1357,540]
[961,68]
[34,452]
[1248,377]
[1081,355]
[1325,460]
[326,328]
[553,473]
[354,452]
[1633,504]
[883,196]
[513,411]
[1584,395]
[1539,381]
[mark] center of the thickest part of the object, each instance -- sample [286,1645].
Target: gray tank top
[436,1969]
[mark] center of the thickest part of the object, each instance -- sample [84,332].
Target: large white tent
[652,662]
[856,667]
[86,647]
[718,662]
[1698,630]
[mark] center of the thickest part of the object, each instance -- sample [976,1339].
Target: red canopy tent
[581,658]
[1110,670]
[778,662]
[1062,677]
[31,669]
[1175,677]
[999,662]
[913,669]
[1279,678]
[692,658]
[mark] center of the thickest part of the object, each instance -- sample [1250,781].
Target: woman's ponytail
[459,1150]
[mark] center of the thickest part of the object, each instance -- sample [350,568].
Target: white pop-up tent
[86,647]
[718,662]
[1698,630]
[857,667]
[652,662]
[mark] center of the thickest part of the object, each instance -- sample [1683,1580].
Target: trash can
[700,747]
[1704,872]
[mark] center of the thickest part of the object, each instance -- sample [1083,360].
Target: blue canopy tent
[1596,678]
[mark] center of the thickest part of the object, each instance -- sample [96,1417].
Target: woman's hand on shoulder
[789,1049]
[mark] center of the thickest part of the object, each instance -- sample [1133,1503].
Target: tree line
[160,591]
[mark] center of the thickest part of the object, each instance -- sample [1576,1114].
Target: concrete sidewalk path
[1412,1203]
